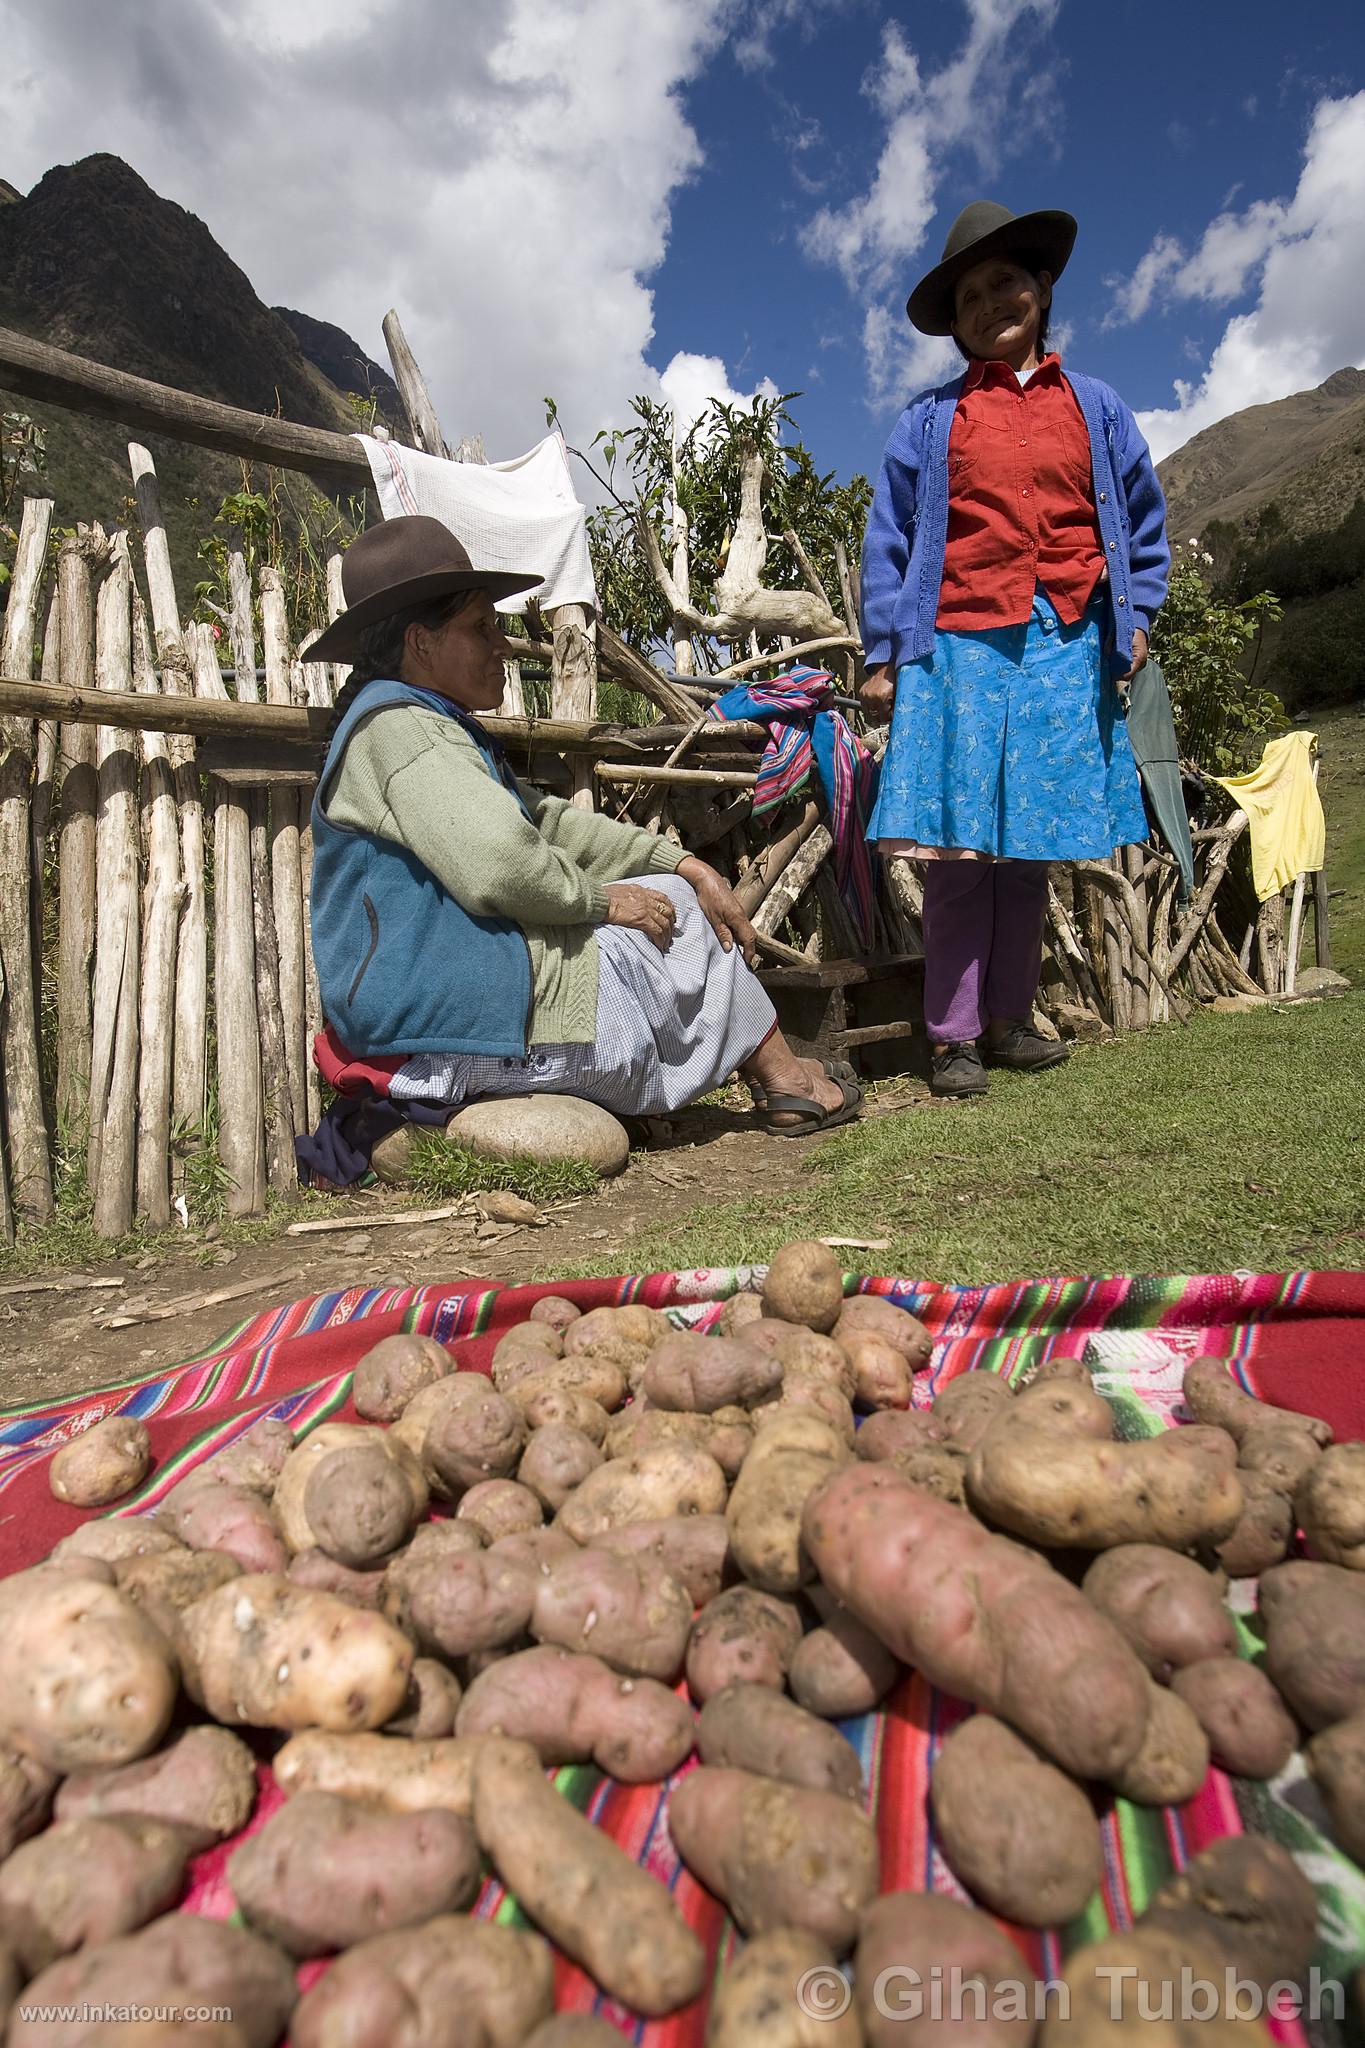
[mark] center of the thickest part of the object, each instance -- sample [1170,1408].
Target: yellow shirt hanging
[1284,811]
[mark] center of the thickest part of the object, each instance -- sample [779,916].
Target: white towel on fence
[515,515]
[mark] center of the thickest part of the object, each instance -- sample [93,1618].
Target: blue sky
[593,198]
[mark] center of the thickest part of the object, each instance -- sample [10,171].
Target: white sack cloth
[520,515]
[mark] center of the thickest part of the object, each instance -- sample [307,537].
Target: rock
[1241,1000]
[500,1206]
[1074,1022]
[1319,981]
[392,1155]
[543,1128]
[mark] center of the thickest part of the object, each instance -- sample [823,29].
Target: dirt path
[53,1340]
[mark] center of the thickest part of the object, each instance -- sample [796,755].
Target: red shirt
[1021,501]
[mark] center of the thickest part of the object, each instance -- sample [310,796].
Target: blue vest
[402,967]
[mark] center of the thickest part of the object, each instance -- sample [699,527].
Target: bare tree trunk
[26,1176]
[422,420]
[683,662]
[574,685]
[336,605]
[112,1145]
[163,898]
[285,871]
[44,780]
[76,914]
[792,883]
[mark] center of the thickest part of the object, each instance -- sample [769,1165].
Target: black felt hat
[406,561]
[1040,241]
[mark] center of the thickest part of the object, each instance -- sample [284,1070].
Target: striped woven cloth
[1298,1340]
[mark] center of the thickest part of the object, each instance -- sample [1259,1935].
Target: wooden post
[237,1039]
[163,898]
[684,662]
[44,781]
[285,871]
[76,913]
[1130,863]
[573,683]
[26,1176]
[792,883]
[336,605]
[111,1151]
[1322,930]
[310,680]
[412,389]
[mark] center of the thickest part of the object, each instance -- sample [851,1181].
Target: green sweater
[410,776]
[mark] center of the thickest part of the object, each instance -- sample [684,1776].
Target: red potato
[461,1601]
[979,1616]
[87,1881]
[698,1375]
[388,1376]
[1336,1757]
[103,1463]
[800,1350]
[1167,1606]
[1019,1833]
[752,1728]
[481,1437]
[872,1315]
[1173,1760]
[87,1679]
[324,1873]
[533,1548]
[427,1407]
[571,1708]
[1314,1617]
[821,1397]
[621,1606]
[300,1466]
[804,1284]
[568,1408]
[593,1900]
[895,1430]
[500,1507]
[965,1407]
[776,1855]
[910,1942]
[556,1461]
[841,1668]
[1249,1729]
[744,1635]
[454,1983]
[203,1784]
[883,1377]
[254,1459]
[556,1310]
[1247,1898]
[693,1549]
[26,1790]
[266,1652]
[205,1513]
[432,1702]
[323,1574]
[361,1504]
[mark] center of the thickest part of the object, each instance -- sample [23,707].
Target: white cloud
[690,383]
[501,171]
[1132,296]
[1309,317]
[992,100]
[768,22]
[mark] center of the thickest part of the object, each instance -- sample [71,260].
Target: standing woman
[1014,562]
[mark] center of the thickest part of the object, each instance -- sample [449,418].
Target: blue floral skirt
[1012,743]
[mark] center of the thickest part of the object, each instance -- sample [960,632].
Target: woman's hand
[1139,655]
[878,695]
[642,910]
[721,907]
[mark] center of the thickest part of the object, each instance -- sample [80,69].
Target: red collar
[980,368]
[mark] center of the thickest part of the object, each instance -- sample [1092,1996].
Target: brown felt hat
[405,561]
[1040,241]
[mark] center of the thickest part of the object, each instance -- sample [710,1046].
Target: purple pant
[983,943]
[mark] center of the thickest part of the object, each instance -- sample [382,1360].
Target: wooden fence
[157,991]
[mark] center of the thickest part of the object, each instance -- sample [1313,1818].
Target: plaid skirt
[670,1027]
[1012,743]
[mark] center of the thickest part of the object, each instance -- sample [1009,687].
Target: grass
[1236,1142]
[1342,784]
[442,1172]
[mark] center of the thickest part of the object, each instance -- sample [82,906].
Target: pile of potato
[630,1543]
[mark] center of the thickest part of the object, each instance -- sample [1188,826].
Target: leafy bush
[1203,644]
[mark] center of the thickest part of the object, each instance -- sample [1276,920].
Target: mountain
[93,260]
[1305,453]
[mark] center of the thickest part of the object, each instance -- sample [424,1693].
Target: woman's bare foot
[777,1070]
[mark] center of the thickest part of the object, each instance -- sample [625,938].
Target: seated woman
[500,939]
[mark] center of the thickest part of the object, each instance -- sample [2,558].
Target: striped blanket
[1297,1340]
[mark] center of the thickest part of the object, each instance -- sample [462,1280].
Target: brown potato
[737,1314]
[324,1873]
[1336,1757]
[1246,1897]
[744,1635]
[777,1855]
[756,2002]
[87,1679]
[1314,1617]
[388,1376]
[800,1350]
[725,1436]
[1330,1505]
[622,1606]
[671,1479]
[361,1504]
[752,1728]
[1019,1833]
[557,1460]
[1213,1395]
[500,1507]
[481,1437]
[533,1548]
[1179,1488]
[1173,1761]
[840,1668]
[1066,1404]
[562,1870]
[592,1375]
[938,1468]
[789,1459]
[571,1708]
[323,1574]
[697,1374]
[454,1983]
[898,1429]
[114,1538]
[165,1584]
[203,1784]
[903,1939]
[634,1325]
[87,1881]
[271,1654]
[1129,1987]
[1249,1729]
[966,1406]
[568,1408]
[292,1484]
[103,1463]
[1262,1534]
[26,1790]
[1286,1457]
[432,1702]
[694,1549]
[392,1771]
[178,1961]
[255,1459]
[883,1378]
[804,1284]
[872,1315]
[556,1310]
[1167,1606]
[458,1601]
[800,1390]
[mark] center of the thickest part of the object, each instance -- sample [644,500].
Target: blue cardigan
[907,528]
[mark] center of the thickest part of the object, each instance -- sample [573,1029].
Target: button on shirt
[1021,501]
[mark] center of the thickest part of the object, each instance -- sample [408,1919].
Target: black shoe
[1028,1052]
[958,1071]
